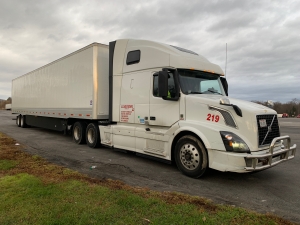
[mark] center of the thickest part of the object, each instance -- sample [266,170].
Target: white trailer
[8,106]
[75,86]
[157,100]
[65,92]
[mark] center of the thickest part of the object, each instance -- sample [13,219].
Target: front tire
[92,135]
[191,156]
[79,132]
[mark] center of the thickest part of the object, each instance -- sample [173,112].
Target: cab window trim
[133,57]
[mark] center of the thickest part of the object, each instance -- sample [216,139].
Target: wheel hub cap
[91,135]
[76,133]
[189,156]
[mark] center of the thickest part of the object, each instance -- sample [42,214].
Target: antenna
[226,60]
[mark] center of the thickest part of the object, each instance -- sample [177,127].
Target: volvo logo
[269,128]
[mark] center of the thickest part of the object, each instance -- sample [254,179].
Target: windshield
[199,82]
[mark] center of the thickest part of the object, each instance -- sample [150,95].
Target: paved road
[276,190]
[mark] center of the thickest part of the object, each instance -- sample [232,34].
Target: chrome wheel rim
[91,135]
[189,156]
[76,133]
[21,121]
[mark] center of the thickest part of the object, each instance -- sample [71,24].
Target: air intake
[226,115]
[268,128]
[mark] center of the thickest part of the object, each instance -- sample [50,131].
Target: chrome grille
[267,133]
[226,115]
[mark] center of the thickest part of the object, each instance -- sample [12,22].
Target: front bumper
[255,162]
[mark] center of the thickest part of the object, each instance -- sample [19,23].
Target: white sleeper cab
[157,100]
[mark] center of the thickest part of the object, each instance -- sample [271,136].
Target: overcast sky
[263,37]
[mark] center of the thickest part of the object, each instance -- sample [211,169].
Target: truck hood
[246,106]
[201,107]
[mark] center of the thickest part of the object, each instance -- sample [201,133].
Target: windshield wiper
[198,92]
[215,92]
[195,92]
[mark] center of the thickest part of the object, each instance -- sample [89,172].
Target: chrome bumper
[261,162]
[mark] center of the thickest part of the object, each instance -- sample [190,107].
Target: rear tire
[18,120]
[23,121]
[191,156]
[92,135]
[79,132]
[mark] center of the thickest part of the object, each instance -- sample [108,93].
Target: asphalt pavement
[276,190]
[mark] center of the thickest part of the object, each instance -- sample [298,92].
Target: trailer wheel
[92,135]
[18,120]
[79,132]
[23,121]
[191,156]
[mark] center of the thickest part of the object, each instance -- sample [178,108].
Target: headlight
[233,143]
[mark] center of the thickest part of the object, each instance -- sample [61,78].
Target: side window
[171,86]
[133,57]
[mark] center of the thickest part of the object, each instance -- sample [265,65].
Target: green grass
[7,164]
[33,191]
[25,199]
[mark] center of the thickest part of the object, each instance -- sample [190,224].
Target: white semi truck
[153,99]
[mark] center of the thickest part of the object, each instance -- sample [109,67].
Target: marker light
[233,143]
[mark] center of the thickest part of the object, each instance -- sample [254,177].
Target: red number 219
[213,118]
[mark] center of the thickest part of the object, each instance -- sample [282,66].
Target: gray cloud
[262,36]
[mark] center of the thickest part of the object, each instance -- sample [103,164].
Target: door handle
[131,83]
[152,118]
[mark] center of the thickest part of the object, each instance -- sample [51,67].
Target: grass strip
[34,191]
[7,164]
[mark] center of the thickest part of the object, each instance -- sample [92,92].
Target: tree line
[292,107]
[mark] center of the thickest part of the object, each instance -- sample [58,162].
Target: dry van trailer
[69,93]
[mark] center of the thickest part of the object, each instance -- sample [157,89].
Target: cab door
[163,112]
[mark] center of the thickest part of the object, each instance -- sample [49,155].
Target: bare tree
[292,107]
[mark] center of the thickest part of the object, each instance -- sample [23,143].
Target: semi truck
[156,100]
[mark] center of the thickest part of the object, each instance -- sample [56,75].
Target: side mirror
[270,104]
[163,83]
[224,84]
